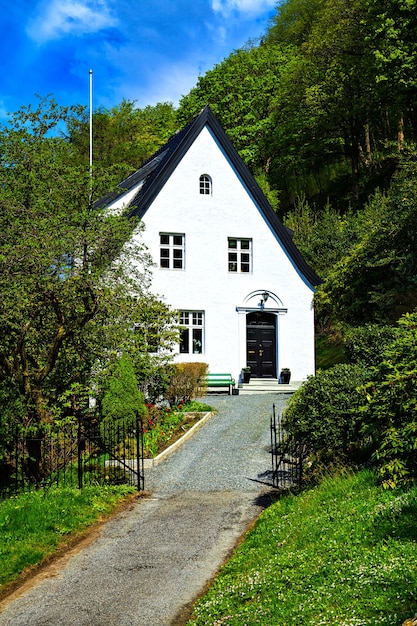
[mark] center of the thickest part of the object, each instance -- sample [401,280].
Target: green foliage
[187,382]
[240,91]
[390,410]
[365,344]
[329,351]
[60,287]
[122,399]
[323,415]
[163,426]
[376,280]
[321,235]
[341,553]
[123,136]
[151,347]
[12,411]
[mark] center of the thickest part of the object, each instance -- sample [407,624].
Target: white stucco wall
[206,285]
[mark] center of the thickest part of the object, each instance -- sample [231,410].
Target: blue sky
[149,51]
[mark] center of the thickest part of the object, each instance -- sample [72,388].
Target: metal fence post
[80,450]
[139,453]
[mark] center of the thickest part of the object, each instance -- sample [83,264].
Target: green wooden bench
[220,380]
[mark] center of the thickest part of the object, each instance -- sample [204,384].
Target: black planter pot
[246,377]
[285,377]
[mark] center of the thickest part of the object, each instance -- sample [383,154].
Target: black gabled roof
[158,168]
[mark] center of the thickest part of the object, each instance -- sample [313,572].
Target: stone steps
[267,385]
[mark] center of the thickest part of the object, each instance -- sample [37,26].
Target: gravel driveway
[150,562]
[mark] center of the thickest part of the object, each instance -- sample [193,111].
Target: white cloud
[252,7]
[59,18]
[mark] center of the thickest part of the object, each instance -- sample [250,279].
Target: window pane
[197,340]
[232,262]
[184,318]
[205,184]
[171,251]
[191,337]
[185,341]
[240,261]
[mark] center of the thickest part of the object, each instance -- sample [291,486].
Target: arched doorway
[261,344]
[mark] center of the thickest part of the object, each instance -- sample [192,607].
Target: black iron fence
[287,455]
[73,453]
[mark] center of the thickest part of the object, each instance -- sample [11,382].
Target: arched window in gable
[205,184]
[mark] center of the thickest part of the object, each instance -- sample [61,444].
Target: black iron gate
[116,448]
[287,455]
[82,451]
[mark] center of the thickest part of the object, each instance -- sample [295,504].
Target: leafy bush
[187,382]
[390,408]
[122,398]
[323,415]
[365,344]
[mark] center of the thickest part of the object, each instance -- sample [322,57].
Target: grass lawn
[34,525]
[343,553]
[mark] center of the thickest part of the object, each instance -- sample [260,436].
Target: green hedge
[324,415]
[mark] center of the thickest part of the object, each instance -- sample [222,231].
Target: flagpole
[91,122]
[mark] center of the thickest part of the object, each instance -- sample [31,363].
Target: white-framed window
[239,255]
[205,184]
[192,332]
[171,251]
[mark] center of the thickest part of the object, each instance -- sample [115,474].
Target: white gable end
[227,256]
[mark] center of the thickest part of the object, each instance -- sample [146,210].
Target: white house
[223,258]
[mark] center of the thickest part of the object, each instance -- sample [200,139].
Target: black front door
[261,344]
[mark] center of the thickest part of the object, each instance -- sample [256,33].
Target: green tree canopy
[70,277]
[124,135]
[376,280]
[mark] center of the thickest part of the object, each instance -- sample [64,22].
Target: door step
[268,385]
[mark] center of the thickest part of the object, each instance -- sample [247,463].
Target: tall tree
[124,135]
[59,281]
[391,36]
[335,79]
[376,280]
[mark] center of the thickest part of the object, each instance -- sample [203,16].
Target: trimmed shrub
[187,382]
[323,415]
[122,398]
